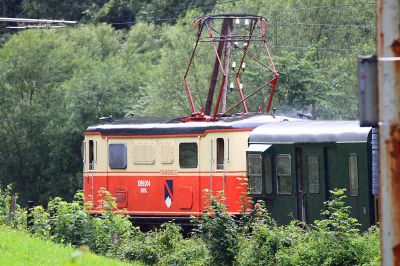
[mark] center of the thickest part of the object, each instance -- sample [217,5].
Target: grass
[20,248]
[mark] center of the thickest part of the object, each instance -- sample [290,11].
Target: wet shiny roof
[310,132]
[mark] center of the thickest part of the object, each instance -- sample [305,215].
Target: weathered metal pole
[227,53]
[214,76]
[388,50]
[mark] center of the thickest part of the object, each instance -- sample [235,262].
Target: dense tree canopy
[56,82]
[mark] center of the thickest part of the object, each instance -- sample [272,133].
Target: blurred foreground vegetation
[217,238]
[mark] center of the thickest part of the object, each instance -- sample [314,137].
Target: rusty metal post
[388,50]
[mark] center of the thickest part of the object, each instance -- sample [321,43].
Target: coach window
[220,153]
[268,174]
[313,173]
[117,154]
[353,174]
[254,173]
[283,174]
[188,155]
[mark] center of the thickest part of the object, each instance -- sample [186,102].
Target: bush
[219,239]
[220,233]
[18,219]
[335,240]
[165,246]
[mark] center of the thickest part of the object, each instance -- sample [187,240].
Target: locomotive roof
[310,132]
[162,126]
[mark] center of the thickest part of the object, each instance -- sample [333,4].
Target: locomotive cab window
[117,154]
[254,172]
[353,174]
[188,155]
[283,174]
[313,173]
[220,153]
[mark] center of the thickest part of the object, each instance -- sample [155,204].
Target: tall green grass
[20,248]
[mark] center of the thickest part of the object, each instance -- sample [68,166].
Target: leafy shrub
[69,223]
[219,239]
[5,200]
[333,241]
[18,219]
[260,245]
[165,246]
[220,233]
[111,229]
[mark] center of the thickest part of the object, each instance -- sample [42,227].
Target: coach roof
[310,132]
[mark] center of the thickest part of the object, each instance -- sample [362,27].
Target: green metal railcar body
[292,165]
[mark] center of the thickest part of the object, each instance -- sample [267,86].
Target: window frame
[352,192]
[180,153]
[286,175]
[220,165]
[260,175]
[92,152]
[126,156]
[318,174]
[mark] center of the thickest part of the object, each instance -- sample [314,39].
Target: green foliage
[165,246]
[219,231]
[333,241]
[5,202]
[16,219]
[218,240]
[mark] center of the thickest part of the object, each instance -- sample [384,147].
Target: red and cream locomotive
[160,168]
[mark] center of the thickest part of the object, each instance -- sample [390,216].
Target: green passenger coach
[292,165]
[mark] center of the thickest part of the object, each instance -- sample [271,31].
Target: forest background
[128,57]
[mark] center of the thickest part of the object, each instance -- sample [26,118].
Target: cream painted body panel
[235,145]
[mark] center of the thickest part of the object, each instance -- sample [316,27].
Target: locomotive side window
[220,153]
[254,173]
[313,173]
[353,174]
[268,175]
[91,154]
[283,174]
[117,156]
[188,155]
